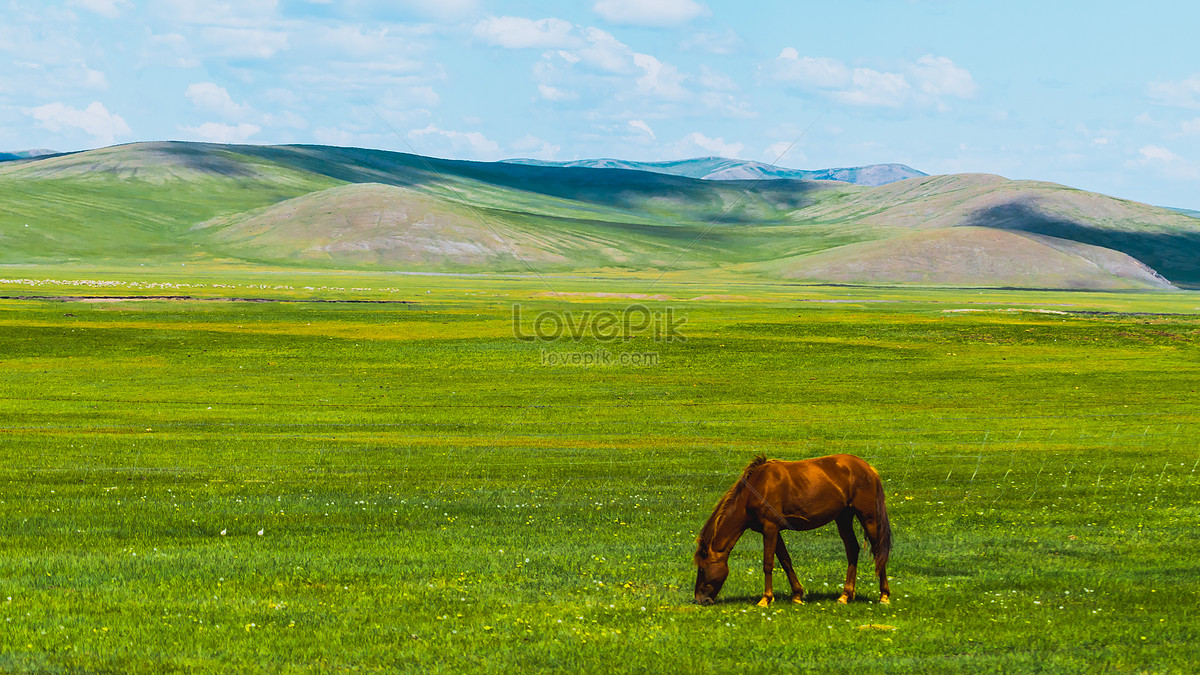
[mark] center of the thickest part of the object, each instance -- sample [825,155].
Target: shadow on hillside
[200,158]
[1174,255]
[610,187]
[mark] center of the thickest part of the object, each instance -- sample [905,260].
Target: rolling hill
[945,256]
[371,224]
[328,207]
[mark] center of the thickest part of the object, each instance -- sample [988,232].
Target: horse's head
[712,569]
[722,530]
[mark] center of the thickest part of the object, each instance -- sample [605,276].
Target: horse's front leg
[770,536]
[785,561]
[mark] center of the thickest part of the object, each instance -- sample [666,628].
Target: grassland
[306,486]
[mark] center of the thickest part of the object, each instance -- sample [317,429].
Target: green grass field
[305,486]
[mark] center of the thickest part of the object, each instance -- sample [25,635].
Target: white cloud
[873,88]
[354,138]
[535,147]
[244,43]
[728,105]
[476,143]
[722,44]
[808,71]
[44,62]
[361,76]
[93,79]
[603,66]
[934,77]
[1191,127]
[1182,94]
[1148,120]
[642,126]
[712,79]
[939,76]
[654,13]
[106,8]
[95,120]
[406,10]
[442,10]
[1165,163]
[216,132]
[423,96]
[387,43]
[212,98]
[605,52]
[783,151]
[514,32]
[285,119]
[1157,153]
[660,80]
[283,96]
[335,136]
[174,44]
[244,13]
[408,98]
[716,146]
[555,94]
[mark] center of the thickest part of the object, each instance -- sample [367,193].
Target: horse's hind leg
[785,561]
[871,528]
[845,525]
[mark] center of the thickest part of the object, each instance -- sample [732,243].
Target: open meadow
[304,485]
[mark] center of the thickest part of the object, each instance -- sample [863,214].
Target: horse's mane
[714,520]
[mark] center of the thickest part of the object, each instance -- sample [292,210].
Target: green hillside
[129,204]
[327,207]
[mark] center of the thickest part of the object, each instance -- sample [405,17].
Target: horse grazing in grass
[772,496]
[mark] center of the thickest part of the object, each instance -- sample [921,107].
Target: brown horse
[772,496]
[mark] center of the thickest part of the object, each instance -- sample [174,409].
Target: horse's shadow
[810,598]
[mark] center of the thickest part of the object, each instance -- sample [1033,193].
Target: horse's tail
[881,550]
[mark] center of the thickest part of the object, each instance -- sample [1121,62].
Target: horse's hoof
[885,600]
[764,603]
[842,600]
[798,599]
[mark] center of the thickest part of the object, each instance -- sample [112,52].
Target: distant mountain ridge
[9,155]
[1187,212]
[722,168]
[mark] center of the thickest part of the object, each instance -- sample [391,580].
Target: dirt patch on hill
[189,298]
[645,296]
[621,296]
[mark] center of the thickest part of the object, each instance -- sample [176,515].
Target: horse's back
[812,492]
[845,471]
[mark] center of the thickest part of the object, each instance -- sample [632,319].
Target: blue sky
[1097,95]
